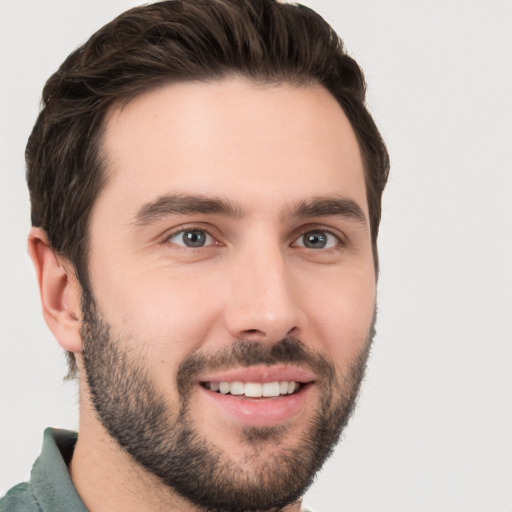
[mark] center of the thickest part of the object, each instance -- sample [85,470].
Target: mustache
[241,353]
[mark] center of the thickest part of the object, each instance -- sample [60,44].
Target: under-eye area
[255,389]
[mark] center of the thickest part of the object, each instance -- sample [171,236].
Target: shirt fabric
[50,488]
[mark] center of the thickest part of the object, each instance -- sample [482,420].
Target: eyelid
[166,238]
[340,237]
[300,243]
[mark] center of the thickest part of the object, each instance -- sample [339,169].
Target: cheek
[166,316]
[342,317]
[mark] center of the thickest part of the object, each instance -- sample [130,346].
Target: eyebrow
[171,204]
[325,207]
[178,204]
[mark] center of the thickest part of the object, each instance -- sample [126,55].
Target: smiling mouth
[254,389]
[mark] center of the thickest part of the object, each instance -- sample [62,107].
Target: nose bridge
[262,305]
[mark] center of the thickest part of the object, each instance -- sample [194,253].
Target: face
[232,287]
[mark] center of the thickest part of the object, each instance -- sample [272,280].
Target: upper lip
[260,374]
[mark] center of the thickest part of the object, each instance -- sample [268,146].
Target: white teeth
[237,388]
[254,389]
[271,389]
[224,387]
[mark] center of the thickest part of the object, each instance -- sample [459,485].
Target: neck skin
[108,480]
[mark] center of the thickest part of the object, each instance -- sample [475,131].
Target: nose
[263,304]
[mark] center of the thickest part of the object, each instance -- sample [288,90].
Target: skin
[266,149]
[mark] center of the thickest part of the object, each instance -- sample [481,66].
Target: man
[206,187]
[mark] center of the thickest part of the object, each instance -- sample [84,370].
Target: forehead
[231,138]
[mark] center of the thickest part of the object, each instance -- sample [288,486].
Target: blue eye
[191,238]
[317,239]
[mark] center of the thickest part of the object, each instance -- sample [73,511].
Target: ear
[59,289]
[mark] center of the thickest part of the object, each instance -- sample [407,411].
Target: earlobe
[59,289]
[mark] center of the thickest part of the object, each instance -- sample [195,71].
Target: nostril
[262,336]
[252,335]
[293,331]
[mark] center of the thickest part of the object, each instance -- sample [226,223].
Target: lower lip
[258,412]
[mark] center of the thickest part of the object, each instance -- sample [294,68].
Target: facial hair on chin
[166,444]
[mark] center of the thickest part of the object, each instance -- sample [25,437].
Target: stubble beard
[166,443]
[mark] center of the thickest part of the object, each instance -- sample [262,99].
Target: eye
[317,239]
[192,238]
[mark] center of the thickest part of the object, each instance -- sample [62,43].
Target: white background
[434,424]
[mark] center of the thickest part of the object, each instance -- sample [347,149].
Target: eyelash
[305,230]
[186,230]
[320,229]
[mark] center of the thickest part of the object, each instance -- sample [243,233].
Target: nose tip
[261,326]
[263,304]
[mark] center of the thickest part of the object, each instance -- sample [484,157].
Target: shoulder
[50,488]
[19,499]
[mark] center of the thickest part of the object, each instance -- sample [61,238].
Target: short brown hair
[179,40]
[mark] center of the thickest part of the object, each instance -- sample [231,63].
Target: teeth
[237,388]
[224,387]
[255,389]
[271,389]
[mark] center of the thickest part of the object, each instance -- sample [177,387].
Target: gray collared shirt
[50,488]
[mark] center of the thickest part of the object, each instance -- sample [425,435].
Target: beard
[161,437]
